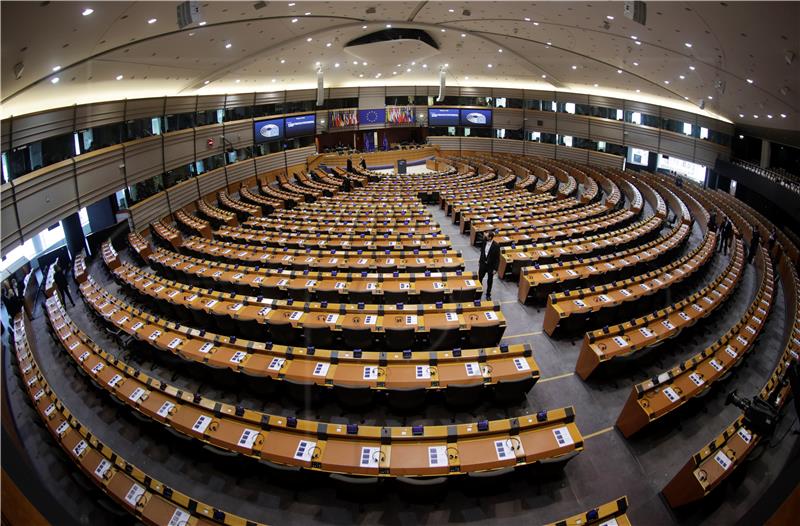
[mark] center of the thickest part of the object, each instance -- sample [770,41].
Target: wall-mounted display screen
[443,117]
[301,125]
[268,130]
[476,117]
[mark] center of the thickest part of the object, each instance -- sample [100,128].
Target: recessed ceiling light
[361,76]
[328,44]
[363,63]
[389,26]
[463,35]
[283,61]
[363,27]
[638,91]
[466,78]
[308,13]
[749,81]
[741,136]
[634,37]
[152,21]
[56,68]
[666,82]
[322,121]
[783,115]
[238,81]
[202,23]
[488,65]
[446,65]
[119,77]
[755,116]
[544,76]
[638,43]
[691,67]
[206,82]
[710,97]
[355,62]
[294,20]
[443,30]
[336,65]
[451,10]
[228,45]
[769,116]
[394,73]
[574,67]
[549,43]
[408,70]
[191,34]
[425,66]
[377,76]
[536,23]
[54,80]
[681,77]
[741,115]
[610,17]
[273,80]
[688,44]
[686,98]
[317,63]
[619,71]
[499,50]
[291,4]
[309,39]
[413,63]
[595,85]
[635,63]
[88,11]
[527,19]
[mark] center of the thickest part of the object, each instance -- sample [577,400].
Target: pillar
[76,241]
[765,153]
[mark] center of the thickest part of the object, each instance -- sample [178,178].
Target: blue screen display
[443,117]
[301,125]
[476,117]
[268,130]
[367,117]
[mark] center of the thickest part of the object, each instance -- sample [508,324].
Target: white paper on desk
[236,307]
[154,336]
[295,315]
[98,367]
[179,518]
[731,351]
[684,316]
[38,395]
[744,435]
[79,448]
[102,468]
[696,379]
[115,380]
[503,449]
[264,311]
[411,319]
[136,326]
[206,347]
[423,372]
[238,357]
[137,394]
[370,319]
[282,282]
[202,423]
[321,369]
[62,428]
[671,395]
[305,449]
[276,364]
[74,344]
[331,318]
[372,286]
[370,457]
[82,357]
[491,315]
[438,285]
[723,460]
[472,369]
[134,494]
[403,285]
[563,437]
[437,456]
[647,333]
[164,410]
[370,372]
[248,438]
[469,282]
[49,410]
[521,364]
[175,343]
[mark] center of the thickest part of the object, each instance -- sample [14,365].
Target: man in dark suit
[488,261]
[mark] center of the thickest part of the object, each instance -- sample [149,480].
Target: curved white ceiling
[551,45]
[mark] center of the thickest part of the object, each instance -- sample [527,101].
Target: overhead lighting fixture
[710,97]
[688,44]
[638,43]
[783,115]
[228,45]
[527,19]
[692,68]
[488,65]
[294,20]
[413,63]
[54,80]
[536,23]
[152,21]
[56,68]
[408,70]
[363,63]
[635,63]
[273,80]
[610,17]
[377,76]
[394,73]
[202,23]
[638,91]
[769,116]
[451,10]
[574,67]
[238,81]
[363,27]
[355,62]
[283,61]
[595,85]
[544,76]
[619,71]
[740,135]
[317,63]
[88,11]
[443,30]
[634,37]
[336,65]
[466,78]
[499,50]
[425,66]
[361,76]
[446,65]
[191,34]
[120,77]
[308,13]
[549,43]
[681,77]
[291,4]
[328,44]
[741,115]
[388,26]
[749,81]
[686,98]
[463,35]
[755,116]
[309,39]
[204,83]
[666,82]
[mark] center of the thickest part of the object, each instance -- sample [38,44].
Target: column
[76,241]
[765,153]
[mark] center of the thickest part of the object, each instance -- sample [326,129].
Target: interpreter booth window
[688,169]
[638,156]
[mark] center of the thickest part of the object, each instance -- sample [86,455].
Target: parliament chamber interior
[400,263]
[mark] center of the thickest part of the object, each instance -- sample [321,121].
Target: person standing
[722,235]
[11,301]
[62,285]
[755,239]
[488,262]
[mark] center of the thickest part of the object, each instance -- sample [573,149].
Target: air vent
[388,35]
[370,10]
[466,12]
[259,5]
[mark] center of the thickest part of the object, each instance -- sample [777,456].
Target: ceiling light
[88,11]
[638,91]
[574,67]
[691,67]
[119,77]
[202,23]
[336,65]
[228,45]
[595,85]
[413,63]
[686,98]
[328,44]
[238,81]
[443,30]
[749,81]
[741,136]
[408,70]
[635,63]
[755,116]
[638,43]
[273,80]
[610,17]
[291,4]
[783,115]
[152,21]
[191,34]
[666,82]
[463,35]
[394,73]
[446,65]
[378,75]
[56,68]
[634,37]
[451,10]
[544,76]
[489,65]
[309,39]
[283,61]
[54,80]
[549,43]
[389,26]
[710,97]
[308,13]
[317,63]
[769,116]
[363,63]
[741,115]
[466,78]
[294,20]
[425,66]
[363,27]
[527,19]
[204,83]
[361,76]
[688,44]
[355,62]
[619,71]
[681,77]
[536,23]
